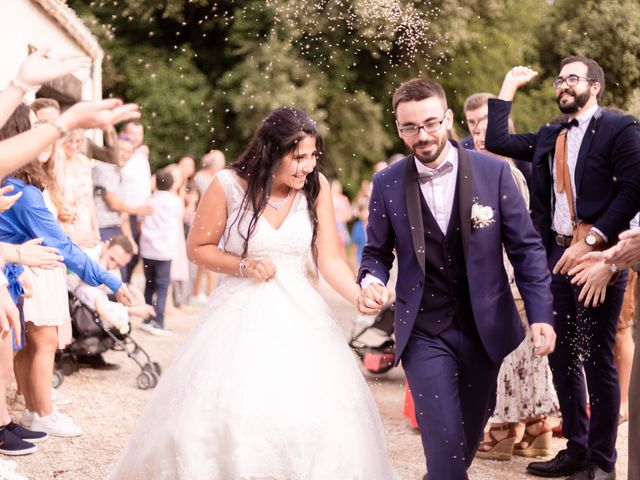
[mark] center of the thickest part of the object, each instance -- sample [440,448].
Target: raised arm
[498,139]
[17,151]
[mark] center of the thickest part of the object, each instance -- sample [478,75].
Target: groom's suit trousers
[453,383]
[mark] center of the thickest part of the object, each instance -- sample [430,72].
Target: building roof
[69,21]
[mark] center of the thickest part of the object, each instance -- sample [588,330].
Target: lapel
[414,211]
[584,149]
[464,191]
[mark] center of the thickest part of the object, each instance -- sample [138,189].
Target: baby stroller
[378,358]
[92,336]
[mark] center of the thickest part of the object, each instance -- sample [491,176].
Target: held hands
[7,201]
[38,68]
[371,299]
[515,78]
[144,210]
[593,274]
[260,269]
[544,339]
[570,257]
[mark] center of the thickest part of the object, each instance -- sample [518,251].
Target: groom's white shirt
[438,193]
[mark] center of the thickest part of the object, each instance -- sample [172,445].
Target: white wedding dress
[266,386]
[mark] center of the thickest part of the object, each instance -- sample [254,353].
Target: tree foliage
[206,72]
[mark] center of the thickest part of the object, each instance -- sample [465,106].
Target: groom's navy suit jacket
[395,221]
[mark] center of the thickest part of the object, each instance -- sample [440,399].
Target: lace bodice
[288,247]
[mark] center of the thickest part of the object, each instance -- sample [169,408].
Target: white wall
[22,23]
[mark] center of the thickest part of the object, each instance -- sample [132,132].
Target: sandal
[535,445]
[495,449]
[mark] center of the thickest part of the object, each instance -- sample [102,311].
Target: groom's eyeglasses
[429,127]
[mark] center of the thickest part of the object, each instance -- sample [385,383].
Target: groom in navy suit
[448,213]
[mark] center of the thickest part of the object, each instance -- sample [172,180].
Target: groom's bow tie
[442,170]
[571,123]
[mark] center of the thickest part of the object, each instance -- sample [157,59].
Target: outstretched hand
[7,201]
[593,274]
[38,68]
[626,252]
[99,114]
[123,295]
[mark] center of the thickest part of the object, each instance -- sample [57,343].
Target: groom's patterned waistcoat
[445,299]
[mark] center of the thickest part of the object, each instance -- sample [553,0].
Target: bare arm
[331,265]
[17,151]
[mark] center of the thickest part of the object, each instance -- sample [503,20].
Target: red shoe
[557,431]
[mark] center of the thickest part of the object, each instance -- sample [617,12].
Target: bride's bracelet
[242,266]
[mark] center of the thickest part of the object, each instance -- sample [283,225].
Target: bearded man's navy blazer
[395,222]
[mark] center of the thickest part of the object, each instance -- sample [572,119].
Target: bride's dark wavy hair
[278,135]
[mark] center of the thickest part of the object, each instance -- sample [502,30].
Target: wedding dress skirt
[265,387]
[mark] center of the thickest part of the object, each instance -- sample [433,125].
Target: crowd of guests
[78,217]
[100,212]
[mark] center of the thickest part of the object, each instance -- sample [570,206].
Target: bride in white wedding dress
[265,387]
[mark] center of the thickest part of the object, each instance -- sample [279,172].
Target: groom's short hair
[416,90]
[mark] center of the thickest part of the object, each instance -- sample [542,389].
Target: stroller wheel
[57,379]
[154,380]
[146,380]
[153,367]
[68,365]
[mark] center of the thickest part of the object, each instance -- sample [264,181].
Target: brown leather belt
[562,240]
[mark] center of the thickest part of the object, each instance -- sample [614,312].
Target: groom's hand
[544,338]
[372,298]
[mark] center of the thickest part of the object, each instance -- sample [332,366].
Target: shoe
[201,298]
[96,362]
[27,418]
[28,435]
[11,444]
[559,466]
[494,449]
[56,425]
[593,472]
[58,399]
[534,445]
[155,329]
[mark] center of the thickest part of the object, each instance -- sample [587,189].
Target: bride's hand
[260,269]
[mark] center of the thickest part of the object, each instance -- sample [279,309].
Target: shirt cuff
[370,280]
[599,232]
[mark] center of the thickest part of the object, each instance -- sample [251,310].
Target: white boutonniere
[481,216]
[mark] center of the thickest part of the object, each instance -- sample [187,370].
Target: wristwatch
[591,239]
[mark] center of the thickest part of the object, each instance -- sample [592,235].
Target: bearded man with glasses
[586,189]
[446,212]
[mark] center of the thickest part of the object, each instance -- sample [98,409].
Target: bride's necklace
[280,203]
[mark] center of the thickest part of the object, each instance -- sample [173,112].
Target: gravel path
[107,404]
